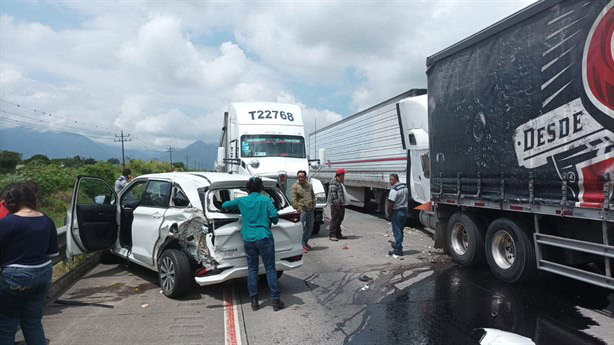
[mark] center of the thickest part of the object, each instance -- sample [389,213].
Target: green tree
[39,158]
[113,161]
[8,161]
[89,161]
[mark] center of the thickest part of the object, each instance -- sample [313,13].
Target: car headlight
[320,198]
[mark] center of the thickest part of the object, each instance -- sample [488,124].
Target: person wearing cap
[338,199]
[257,213]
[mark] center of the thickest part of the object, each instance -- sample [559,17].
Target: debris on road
[145,305]
[364,278]
[345,248]
[364,288]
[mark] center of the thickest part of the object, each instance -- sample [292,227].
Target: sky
[165,72]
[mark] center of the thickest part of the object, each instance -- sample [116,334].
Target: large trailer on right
[521,144]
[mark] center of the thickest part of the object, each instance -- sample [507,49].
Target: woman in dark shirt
[28,239]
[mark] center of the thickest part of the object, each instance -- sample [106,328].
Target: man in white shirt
[397,209]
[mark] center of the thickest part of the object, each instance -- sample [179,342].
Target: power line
[38,111]
[62,124]
[45,127]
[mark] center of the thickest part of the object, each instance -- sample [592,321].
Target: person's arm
[332,194]
[272,213]
[295,199]
[231,205]
[53,249]
[391,199]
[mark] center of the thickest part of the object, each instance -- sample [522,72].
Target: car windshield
[272,146]
[217,197]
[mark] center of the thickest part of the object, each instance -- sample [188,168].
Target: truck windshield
[272,146]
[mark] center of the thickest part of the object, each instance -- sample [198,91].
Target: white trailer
[371,145]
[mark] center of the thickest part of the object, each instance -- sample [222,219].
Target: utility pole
[187,161]
[170,151]
[122,138]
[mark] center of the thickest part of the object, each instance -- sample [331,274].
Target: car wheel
[279,274]
[509,251]
[466,239]
[316,228]
[174,273]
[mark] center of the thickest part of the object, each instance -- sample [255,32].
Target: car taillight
[201,272]
[294,217]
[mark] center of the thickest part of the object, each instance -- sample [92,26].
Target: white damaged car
[173,223]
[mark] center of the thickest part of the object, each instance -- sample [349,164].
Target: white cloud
[166,72]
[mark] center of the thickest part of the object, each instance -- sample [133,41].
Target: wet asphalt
[347,292]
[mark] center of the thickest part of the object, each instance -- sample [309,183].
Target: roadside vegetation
[56,177]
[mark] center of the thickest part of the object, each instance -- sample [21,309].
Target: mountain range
[198,155]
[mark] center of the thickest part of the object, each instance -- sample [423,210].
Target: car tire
[510,252]
[466,239]
[316,228]
[174,273]
[279,274]
[108,258]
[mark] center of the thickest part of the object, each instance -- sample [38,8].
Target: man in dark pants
[337,199]
[397,209]
[258,212]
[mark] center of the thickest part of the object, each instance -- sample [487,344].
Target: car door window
[93,191]
[179,198]
[133,195]
[157,194]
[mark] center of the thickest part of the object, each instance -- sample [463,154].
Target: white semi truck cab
[267,139]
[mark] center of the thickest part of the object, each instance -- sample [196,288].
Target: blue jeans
[22,297]
[264,248]
[398,219]
[307,222]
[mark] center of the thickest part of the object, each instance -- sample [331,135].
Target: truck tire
[316,228]
[510,252]
[174,273]
[465,237]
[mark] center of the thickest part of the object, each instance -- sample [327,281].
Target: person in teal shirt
[258,212]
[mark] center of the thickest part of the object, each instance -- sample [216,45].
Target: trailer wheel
[466,239]
[509,251]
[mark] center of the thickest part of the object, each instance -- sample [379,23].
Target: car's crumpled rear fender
[189,227]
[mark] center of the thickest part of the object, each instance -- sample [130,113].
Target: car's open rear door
[92,218]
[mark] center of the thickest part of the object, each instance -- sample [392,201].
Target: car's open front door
[92,218]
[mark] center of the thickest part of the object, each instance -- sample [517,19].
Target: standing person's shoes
[278,304]
[308,246]
[305,249]
[333,239]
[254,303]
[341,237]
[395,252]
